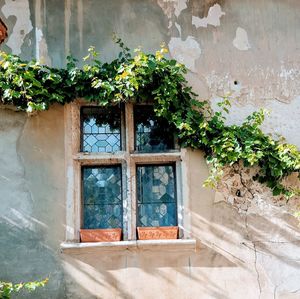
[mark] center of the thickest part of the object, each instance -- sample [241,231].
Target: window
[123,170]
[156,195]
[100,129]
[102,197]
[151,134]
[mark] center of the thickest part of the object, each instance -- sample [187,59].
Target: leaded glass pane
[151,134]
[102,197]
[156,195]
[101,129]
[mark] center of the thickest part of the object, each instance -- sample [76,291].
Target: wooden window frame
[128,158]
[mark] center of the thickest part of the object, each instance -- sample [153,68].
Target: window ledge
[151,245]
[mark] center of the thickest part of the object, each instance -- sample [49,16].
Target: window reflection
[102,197]
[156,195]
[151,134]
[101,129]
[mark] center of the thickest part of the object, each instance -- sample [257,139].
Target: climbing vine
[32,87]
[8,288]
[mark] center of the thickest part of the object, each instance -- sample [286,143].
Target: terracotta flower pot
[157,233]
[101,235]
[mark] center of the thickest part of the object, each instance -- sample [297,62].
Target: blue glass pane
[151,133]
[101,129]
[102,197]
[156,193]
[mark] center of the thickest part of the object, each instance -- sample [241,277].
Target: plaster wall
[247,247]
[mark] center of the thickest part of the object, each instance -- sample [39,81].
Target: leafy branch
[7,288]
[31,86]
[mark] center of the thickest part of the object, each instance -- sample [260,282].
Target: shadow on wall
[145,274]
[130,274]
[25,257]
[30,227]
[251,249]
[229,244]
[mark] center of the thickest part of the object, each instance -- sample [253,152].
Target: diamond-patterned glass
[156,195]
[101,129]
[151,134]
[102,197]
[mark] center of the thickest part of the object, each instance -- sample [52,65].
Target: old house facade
[235,242]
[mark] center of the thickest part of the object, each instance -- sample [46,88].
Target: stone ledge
[139,245]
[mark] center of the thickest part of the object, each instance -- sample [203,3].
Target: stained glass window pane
[156,193]
[101,129]
[151,133]
[102,197]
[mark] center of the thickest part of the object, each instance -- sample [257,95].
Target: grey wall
[32,198]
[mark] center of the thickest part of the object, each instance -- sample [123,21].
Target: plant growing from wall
[34,87]
[8,288]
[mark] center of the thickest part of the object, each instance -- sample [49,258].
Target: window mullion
[131,193]
[156,158]
[129,127]
[131,172]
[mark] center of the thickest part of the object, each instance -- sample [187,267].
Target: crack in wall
[255,256]
[256,269]
[278,242]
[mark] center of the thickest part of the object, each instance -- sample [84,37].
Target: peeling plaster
[39,37]
[241,40]
[68,5]
[180,5]
[178,28]
[172,7]
[238,188]
[276,123]
[213,17]
[166,7]
[186,52]
[41,48]
[257,84]
[19,9]
[80,22]
[289,74]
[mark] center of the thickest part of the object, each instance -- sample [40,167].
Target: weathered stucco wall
[248,246]
[32,197]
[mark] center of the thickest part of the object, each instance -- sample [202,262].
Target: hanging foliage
[33,87]
[8,288]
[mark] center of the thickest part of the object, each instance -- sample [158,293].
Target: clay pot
[101,235]
[157,233]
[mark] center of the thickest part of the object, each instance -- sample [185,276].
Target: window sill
[149,245]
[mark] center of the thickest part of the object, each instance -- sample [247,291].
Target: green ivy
[33,87]
[8,288]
